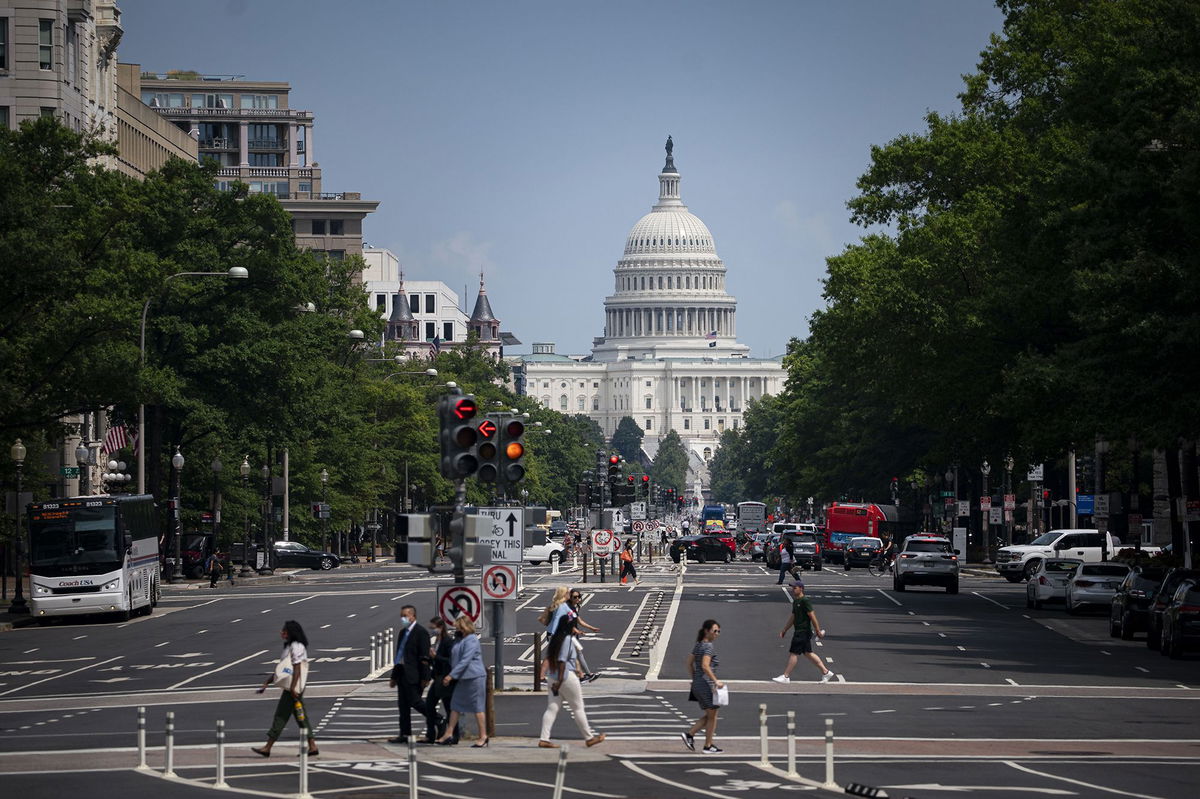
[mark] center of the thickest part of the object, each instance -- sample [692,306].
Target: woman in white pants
[564,684]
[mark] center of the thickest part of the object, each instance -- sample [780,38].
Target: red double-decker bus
[846,520]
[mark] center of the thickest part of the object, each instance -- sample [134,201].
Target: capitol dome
[669,230]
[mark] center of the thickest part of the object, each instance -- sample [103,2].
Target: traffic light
[458,436]
[487,450]
[512,452]
[646,486]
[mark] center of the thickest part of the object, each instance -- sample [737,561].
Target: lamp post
[952,480]
[235,273]
[215,466]
[82,456]
[325,508]
[18,603]
[266,535]
[427,372]
[176,572]
[985,469]
[1008,467]
[244,471]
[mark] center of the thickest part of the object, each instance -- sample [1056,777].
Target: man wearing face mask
[411,673]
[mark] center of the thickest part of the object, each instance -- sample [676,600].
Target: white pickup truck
[1016,563]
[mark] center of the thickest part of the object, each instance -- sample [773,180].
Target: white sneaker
[827,676]
[781,678]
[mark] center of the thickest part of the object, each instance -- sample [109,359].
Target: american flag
[712,338]
[117,438]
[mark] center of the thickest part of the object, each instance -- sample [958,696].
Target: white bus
[752,517]
[93,555]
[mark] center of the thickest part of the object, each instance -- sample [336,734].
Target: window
[430,330]
[263,136]
[414,303]
[545,384]
[72,54]
[260,101]
[648,383]
[47,112]
[4,116]
[687,424]
[214,100]
[649,402]
[707,423]
[318,227]
[546,400]
[595,403]
[447,331]
[162,99]
[708,453]
[579,403]
[596,384]
[430,303]
[381,302]
[562,402]
[336,227]
[264,159]
[4,48]
[46,44]
[336,255]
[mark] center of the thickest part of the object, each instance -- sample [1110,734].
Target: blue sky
[525,137]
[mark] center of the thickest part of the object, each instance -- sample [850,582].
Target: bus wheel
[127,614]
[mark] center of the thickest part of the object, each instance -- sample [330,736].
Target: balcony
[218,144]
[274,113]
[245,172]
[267,144]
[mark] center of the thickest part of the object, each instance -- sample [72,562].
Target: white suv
[926,560]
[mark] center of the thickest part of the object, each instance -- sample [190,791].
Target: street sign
[505,534]
[70,472]
[603,541]
[1101,506]
[994,516]
[1085,504]
[985,503]
[1035,473]
[637,510]
[499,581]
[459,600]
[1010,501]
[964,507]
[639,526]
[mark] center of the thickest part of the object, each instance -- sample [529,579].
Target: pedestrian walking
[565,685]
[702,664]
[411,673]
[802,621]
[439,691]
[627,567]
[212,566]
[787,557]
[470,683]
[291,699]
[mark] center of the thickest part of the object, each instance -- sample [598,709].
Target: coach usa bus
[95,554]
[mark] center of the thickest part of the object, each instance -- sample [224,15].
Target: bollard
[561,773]
[220,783]
[829,783]
[374,653]
[791,716]
[537,661]
[141,738]
[585,566]
[762,734]
[554,563]
[412,767]
[169,771]
[388,647]
[303,793]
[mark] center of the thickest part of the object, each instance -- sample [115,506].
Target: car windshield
[1061,565]
[1105,569]
[926,546]
[1045,539]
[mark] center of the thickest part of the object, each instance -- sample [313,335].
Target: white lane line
[989,599]
[873,711]
[201,632]
[1105,652]
[35,662]
[1139,668]
[941,635]
[219,668]
[959,648]
[658,651]
[306,598]
[30,651]
[56,676]
[268,610]
[986,665]
[164,643]
[1011,681]
[81,637]
[912,613]
[325,626]
[352,615]
[890,598]
[235,621]
[372,607]
[1091,785]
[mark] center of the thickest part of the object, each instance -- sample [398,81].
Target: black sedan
[1130,607]
[860,551]
[702,548]
[1181,620]
[293,553]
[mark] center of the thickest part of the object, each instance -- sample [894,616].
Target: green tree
[627,440]
[670,466]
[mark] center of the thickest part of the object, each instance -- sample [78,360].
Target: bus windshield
[74,541]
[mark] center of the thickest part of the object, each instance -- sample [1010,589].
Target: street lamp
[266,536]
[17,452]
[325,508]
[986,469]
[177,468]
[244,471]
[234,273]
[82,456]
[216,466]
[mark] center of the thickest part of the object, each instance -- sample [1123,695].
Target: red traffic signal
[645,478]
[629,479]
[487,428]
[465,408]
[614,459]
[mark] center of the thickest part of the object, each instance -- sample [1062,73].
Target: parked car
[293,553]
[1181,620]
[1131,604]
[1018,562]
[702,548]
[1158,603]
[558,529]
[1094,584]
[194,551]
[860,551]
[1048,583]
[926,560]
[549,551]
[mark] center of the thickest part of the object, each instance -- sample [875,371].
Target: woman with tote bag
[705,687]
[291,674]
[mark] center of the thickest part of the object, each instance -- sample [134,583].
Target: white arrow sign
[711,772]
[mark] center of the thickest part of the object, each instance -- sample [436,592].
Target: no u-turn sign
[499,582]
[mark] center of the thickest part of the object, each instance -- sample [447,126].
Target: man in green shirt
[802,621]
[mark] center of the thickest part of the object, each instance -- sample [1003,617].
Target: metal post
[245,571]
[220,783]
[537,662]
[762,734]
[412,767]
[141,740]
[498,648]
[561,773]
[374,653]
[791,727]
[169,770]
[303,793]
[829,783]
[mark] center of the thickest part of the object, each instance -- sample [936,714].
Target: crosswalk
[354,718]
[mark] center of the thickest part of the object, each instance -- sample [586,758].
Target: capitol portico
[669,357]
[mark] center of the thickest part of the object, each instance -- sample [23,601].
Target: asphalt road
[936,693]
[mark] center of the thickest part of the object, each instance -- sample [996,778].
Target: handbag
[283,673]
[721,696]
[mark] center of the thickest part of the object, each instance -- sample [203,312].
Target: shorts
[801,643]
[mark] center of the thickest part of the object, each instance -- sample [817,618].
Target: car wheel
[1126,627]
[818,566]
[952,588]
[846,567]
[196,572]
[327,564]
[535,563]
[728,557]
[1030,568]
[1164,641]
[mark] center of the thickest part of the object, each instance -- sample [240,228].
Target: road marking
[30,651]
[219,668]
[352,615]
[34,662]
[372,607]
[961,648]
[56,676]
[268,610]
[883,711]
[325,626]
[235,621]
[164,643]
[303,599]
[1011,681]
[941,635]
[658,653]
[79,638]
[1105,652]
[1091,785]
[201,632]
[890,598]
[989,599]
[986,665]
[1142,669]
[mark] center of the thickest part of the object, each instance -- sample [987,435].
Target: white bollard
[762,733]
[303,792]
[554,563]
[374,654]
[829,783]
[561,774]
[141,738]
[412,767]
[169,770]
[791,716]
[220,783]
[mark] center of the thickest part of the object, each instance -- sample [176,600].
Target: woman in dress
[701,664]
[291,700]
[470,678]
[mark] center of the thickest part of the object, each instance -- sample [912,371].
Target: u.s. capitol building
[669,357]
